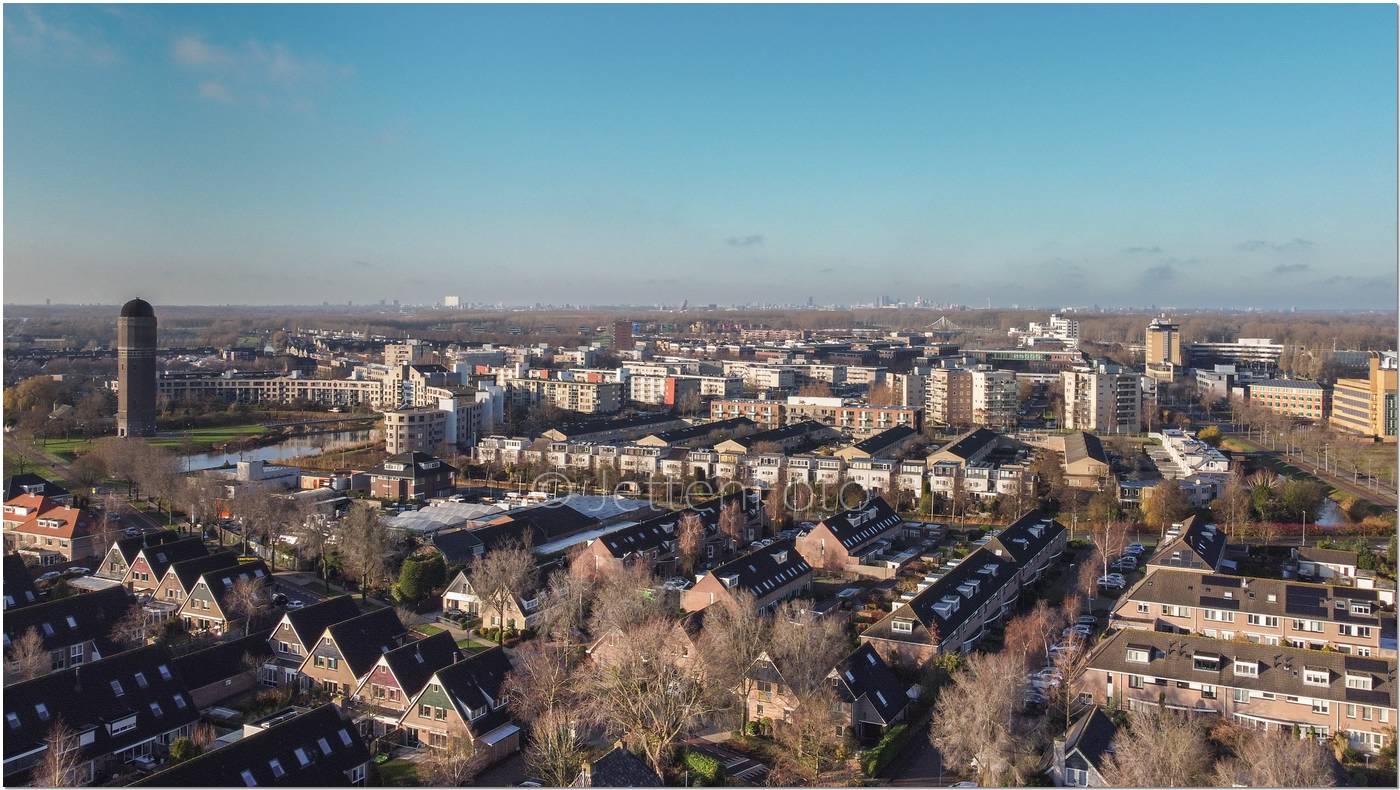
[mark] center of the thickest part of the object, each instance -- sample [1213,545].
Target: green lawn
[173,440]
[398,773]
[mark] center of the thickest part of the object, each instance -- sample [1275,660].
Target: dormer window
[1208,662]
[1316,676]
[1358,681]
[1139,655]
[902,625]
[1249,669]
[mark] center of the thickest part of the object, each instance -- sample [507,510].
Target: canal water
[291,447]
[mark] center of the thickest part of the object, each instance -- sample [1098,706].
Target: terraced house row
[953,611]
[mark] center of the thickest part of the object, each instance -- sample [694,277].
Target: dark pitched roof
[862,524]
[784,433]
[415,662]
[654,532]
[474,683]
[19,585]
[1092,736]
[160,557]
[1201,545]
[1275,597]
[864,674]
[762,571]
[129,547]
[1080,445]
[703,429]
[414,465]
[221,581]
[1025,537]
[885,439]
[311,622]
[621,768]
[30,483]
[1278,670]
[316,748]
[457,544]
[1333,556]
[138,684]
[363,639]
[969,444]
[221,661]
[540,524]
[188,571]
[578,428]
[948,602]
[71,620]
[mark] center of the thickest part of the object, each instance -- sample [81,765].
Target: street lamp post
[1305,529]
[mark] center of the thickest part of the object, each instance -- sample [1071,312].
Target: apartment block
[1263,687]
[948,397]
[995,400]
[1306,399]
[1367,407]
[1262,611]
[1102,399]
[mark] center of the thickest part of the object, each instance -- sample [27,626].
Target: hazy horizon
[1201,157]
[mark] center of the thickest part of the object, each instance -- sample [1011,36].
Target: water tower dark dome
[138,308]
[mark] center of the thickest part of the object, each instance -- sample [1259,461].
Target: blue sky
[1192,155]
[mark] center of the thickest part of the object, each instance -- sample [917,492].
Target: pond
[291,447]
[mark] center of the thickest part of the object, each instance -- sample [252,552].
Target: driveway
[919,764]
[737,765]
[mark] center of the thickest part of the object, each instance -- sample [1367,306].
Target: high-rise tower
[136,369]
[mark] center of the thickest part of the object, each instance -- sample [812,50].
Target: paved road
[919,765]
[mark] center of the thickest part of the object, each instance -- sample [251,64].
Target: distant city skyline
[1192,156]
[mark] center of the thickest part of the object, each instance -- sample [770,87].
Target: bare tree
[541,679]
[131,629]
[811,736]
[451,766]
[246,600]
[1087,580]
[1109,539]
[60,764]
[732,523]
[690,538]
[562,608]
[555,752]
[978,720]
[1276,759]
[805,646]
[1030,635]
[734,635]
[1159,749]
[499,577]
[623,601]
[27,657]
[776,503]
[645,696]
[1069,665]
[363,543]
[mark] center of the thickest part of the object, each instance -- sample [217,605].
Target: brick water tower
[136,369]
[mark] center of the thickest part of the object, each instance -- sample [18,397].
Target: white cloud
[193,50]
[215,91]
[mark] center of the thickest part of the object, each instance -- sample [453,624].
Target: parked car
[131,532]
[77,570]
[1124,564]
[679,583]
[1135,549]
[1113,581]
[295,604]
[48,578]
[1081,631]
[279,599]
[1087,619]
